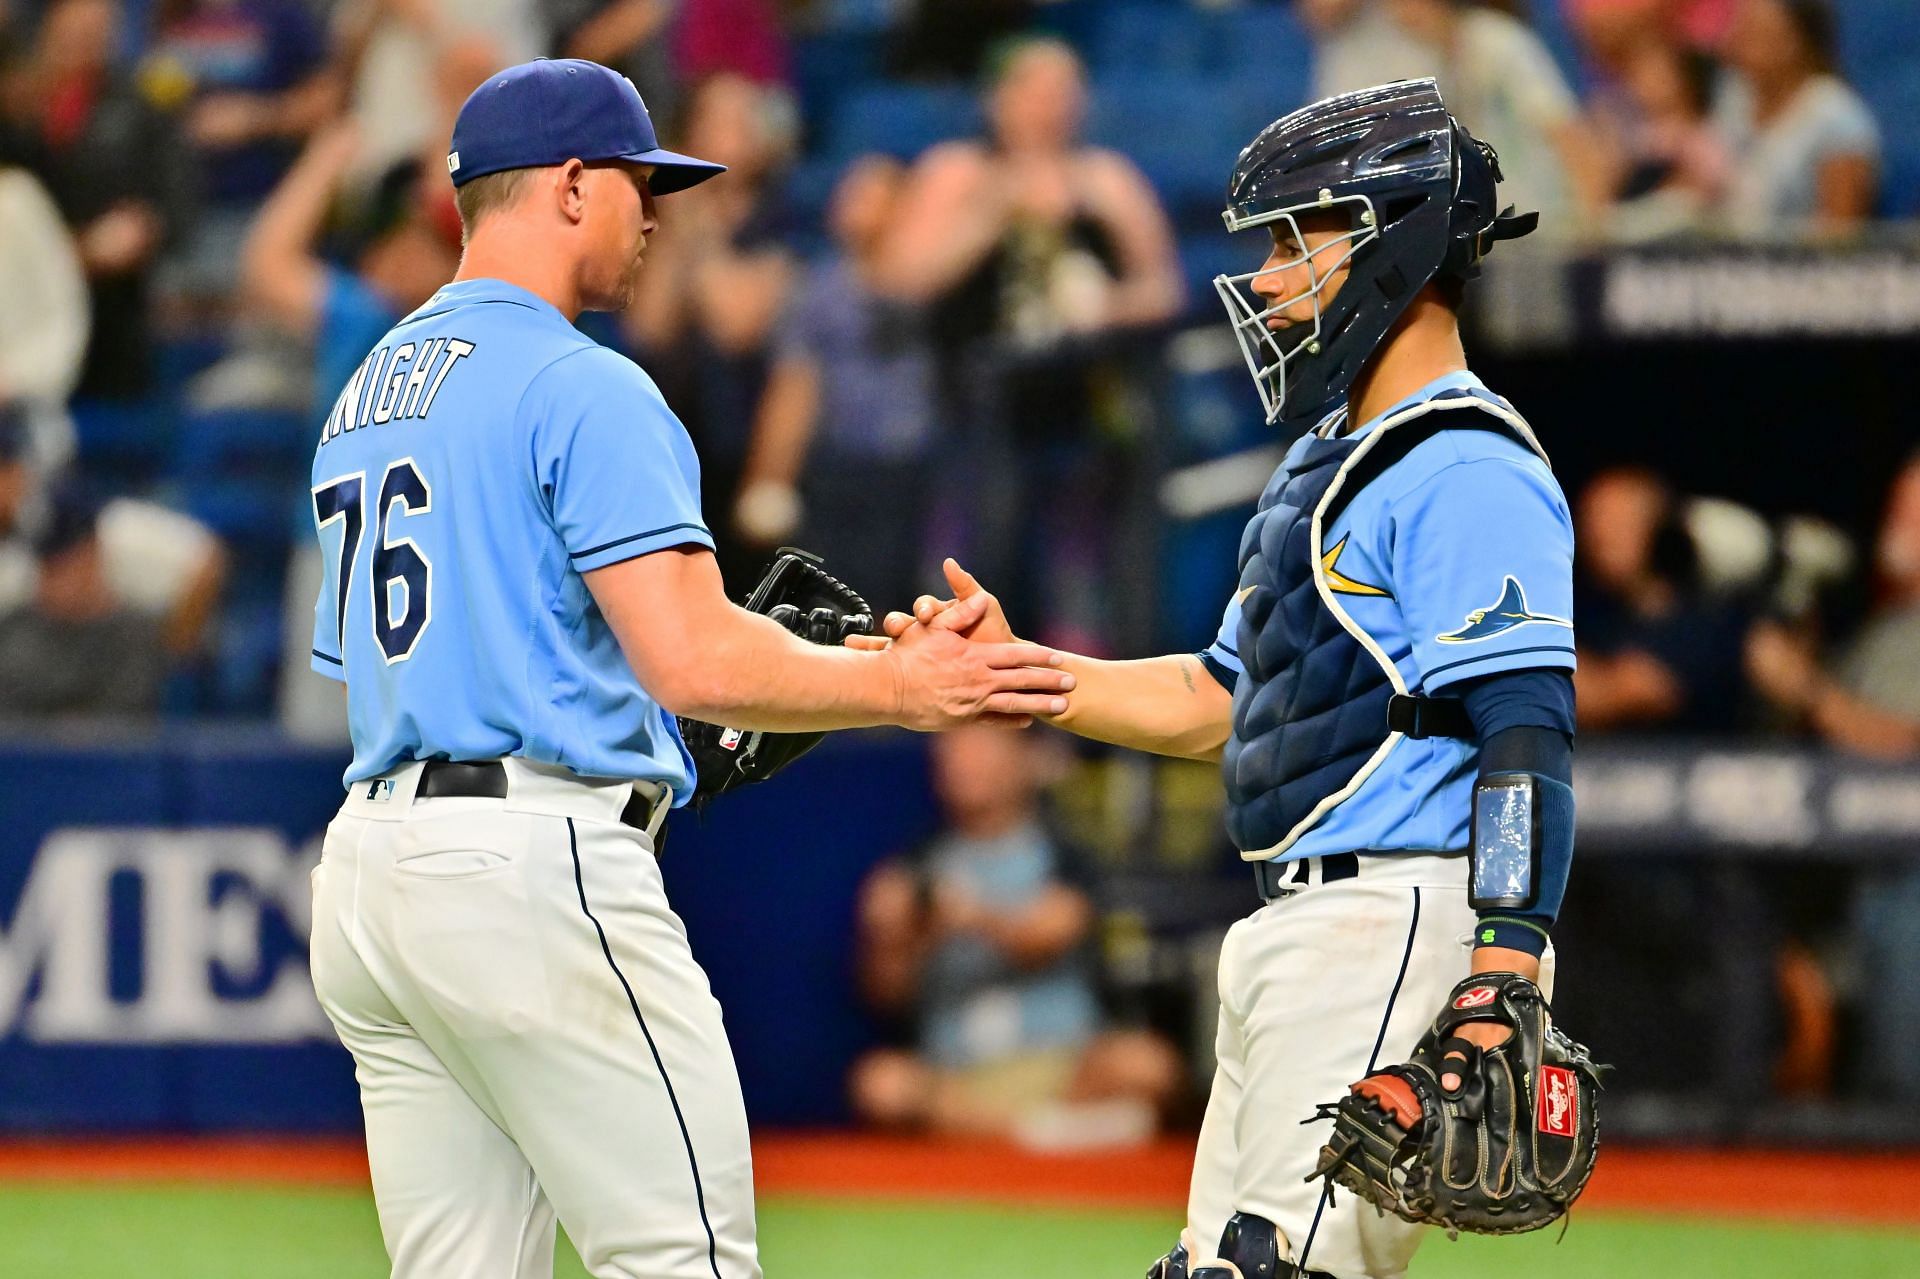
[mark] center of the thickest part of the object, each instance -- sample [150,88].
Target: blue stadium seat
[1900,181]
[246,664]
[1169,126]
[1895,101]
[1204,255]
[1268,43]
[1183,131]
[124,444]
[242,472]
[901,119]
[1548,19]
[831,64]
[808,188]
[1877,37]
[1149,37]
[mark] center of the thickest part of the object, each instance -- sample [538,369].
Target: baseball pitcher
[521,597]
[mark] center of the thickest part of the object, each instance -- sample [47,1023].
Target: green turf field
[201,1232]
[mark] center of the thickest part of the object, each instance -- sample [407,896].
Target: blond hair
[487,194]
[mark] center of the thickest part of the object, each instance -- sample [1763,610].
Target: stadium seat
[124,444]
[1183,131]
[901,119]
[1267,45]
[829,65]
[247,647]
[1150,37]
[1895,101]
[1204,255]
[242,472]
[1548,19]
[1876,38]
[1900,179]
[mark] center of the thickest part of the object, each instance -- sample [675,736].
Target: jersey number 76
[399,615]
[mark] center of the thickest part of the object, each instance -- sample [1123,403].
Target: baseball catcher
[1390,700]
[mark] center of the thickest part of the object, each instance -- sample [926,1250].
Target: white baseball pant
[531,1035]
[1317,990]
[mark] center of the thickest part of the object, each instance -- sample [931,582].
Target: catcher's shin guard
[1250,1249]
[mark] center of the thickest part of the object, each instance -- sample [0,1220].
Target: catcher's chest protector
[1310,713]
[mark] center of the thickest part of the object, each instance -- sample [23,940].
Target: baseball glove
[1506,1152]
[818,607]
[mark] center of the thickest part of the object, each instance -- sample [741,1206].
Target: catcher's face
[619,218]
[1311,259]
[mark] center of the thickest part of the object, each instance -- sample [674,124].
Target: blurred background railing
[1743,911]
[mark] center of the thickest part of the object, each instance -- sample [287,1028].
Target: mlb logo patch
[380,790]
[730,739]
[1559,1102]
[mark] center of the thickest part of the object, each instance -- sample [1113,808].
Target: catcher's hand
[1506,1150]
[818,607]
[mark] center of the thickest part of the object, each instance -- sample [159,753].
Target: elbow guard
[1522,841]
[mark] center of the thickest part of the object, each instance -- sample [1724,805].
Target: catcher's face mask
[1278,312]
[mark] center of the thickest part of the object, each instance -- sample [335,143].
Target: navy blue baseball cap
[552,110]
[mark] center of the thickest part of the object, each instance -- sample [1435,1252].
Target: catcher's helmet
[1421,193]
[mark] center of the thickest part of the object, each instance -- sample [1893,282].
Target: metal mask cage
[1269,352]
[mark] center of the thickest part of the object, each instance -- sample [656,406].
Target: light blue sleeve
[326,638]
[616,470]
[327,656]
[1223,649]
[1481,561]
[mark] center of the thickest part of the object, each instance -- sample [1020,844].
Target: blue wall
[153,903]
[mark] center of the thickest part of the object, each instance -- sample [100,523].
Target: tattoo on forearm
[1186,673]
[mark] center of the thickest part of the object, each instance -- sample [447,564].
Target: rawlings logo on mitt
[1506,1151]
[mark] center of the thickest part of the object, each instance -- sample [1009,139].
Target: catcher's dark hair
[486,194]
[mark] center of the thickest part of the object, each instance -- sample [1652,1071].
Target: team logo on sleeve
[1509,611]
[1339,583]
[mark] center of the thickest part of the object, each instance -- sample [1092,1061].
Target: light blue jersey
[482,457]
[1457,561]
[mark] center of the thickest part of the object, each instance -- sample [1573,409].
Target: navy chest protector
[1321,704]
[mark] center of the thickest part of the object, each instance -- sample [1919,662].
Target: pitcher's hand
[945,681]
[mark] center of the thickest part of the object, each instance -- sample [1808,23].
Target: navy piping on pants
[1373,1060]
[699,1193]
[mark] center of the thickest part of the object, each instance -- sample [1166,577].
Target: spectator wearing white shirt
[1498,78]
[44,324]
[400,55]
[147,561]
[1805,148]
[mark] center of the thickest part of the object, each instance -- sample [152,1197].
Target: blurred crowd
[928,312]
[933,295]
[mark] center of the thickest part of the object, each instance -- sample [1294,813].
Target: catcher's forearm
[1502,959]
[1161,705]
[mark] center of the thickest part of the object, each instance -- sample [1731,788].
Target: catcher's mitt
[803,597]
[1506,1152]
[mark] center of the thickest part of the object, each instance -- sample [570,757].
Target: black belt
[445,779]
[1420,717]
[1274,880]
